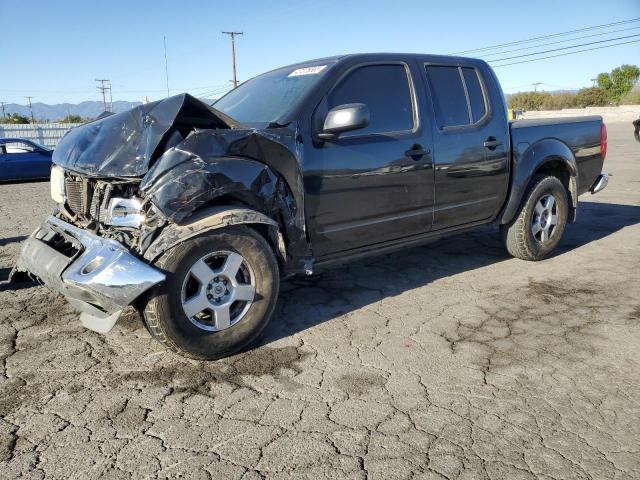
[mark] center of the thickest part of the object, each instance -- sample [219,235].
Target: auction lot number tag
[307,71]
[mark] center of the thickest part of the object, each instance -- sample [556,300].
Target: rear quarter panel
[581,135]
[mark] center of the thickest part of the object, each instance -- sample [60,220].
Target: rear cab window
[386,90]
[458,95]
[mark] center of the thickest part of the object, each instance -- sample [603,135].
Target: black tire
[518,235]
[165,318]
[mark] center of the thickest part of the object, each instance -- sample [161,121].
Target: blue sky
[55,50]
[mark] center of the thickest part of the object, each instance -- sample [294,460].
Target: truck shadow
[307,302]
[8,240]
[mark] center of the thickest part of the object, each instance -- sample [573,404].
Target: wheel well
[559,169]
[268,232]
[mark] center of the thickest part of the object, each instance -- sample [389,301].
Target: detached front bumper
[98,276]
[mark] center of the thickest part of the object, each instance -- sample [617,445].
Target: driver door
[374,184]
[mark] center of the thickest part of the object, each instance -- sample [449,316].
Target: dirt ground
[447,361]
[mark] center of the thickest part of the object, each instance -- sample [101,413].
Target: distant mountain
[87,109]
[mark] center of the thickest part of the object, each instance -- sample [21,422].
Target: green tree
[71,119]
[619,82]
[592,97]
[14,118]
[558,101]
[529,100]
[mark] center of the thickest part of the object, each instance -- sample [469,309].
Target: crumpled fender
[257,168]
[527,162]
[208,219]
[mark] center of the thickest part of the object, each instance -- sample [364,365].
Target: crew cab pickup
[193,213]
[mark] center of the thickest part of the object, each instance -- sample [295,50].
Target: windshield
[267,97]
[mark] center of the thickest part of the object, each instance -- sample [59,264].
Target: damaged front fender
[211,219]
[248,167]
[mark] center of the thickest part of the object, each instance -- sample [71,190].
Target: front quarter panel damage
[256,168]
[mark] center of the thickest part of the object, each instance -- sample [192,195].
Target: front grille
[73,190]
[78,192]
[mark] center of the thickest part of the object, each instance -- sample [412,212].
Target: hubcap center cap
[218,288]
[544,218]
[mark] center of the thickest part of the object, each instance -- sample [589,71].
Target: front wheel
[220,292]
[539,226]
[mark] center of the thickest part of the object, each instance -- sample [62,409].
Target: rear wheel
[539,226]
[219,294]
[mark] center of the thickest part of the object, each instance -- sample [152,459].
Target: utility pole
[535,86]
[233,54]
[594,80]
[33,120]
[103,89]
[3,112]
[110,98]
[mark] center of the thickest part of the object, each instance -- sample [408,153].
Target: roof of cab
[367,57]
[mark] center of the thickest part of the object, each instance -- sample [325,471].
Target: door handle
[491,143]
[417,151]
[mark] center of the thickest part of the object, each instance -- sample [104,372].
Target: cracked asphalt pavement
[448,361]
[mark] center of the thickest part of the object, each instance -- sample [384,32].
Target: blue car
[22,159]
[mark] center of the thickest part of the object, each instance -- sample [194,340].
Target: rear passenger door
[471,146]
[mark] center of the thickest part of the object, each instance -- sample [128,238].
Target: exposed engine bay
[112,209]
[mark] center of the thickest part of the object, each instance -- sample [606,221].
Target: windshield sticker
[307,71]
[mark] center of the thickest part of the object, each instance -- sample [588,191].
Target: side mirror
[344,118]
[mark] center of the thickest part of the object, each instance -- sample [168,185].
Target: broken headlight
[57,184]
[125,212]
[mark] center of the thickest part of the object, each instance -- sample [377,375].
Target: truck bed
[580,134]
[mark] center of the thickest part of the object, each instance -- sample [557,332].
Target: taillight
[603,140]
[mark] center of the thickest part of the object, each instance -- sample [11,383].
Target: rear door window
[449,97]
[385,90]
[459,99]
[476,95]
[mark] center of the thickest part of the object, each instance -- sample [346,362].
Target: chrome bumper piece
[99,280]
[600,183]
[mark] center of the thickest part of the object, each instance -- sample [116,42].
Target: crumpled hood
[126,144]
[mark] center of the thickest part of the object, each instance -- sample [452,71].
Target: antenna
[166,66]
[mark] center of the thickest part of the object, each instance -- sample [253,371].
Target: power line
[214,92]
[561,41]
[544,37]
[233,54]
[566,53]
[564,48]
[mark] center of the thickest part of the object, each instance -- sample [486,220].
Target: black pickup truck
[193,213]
